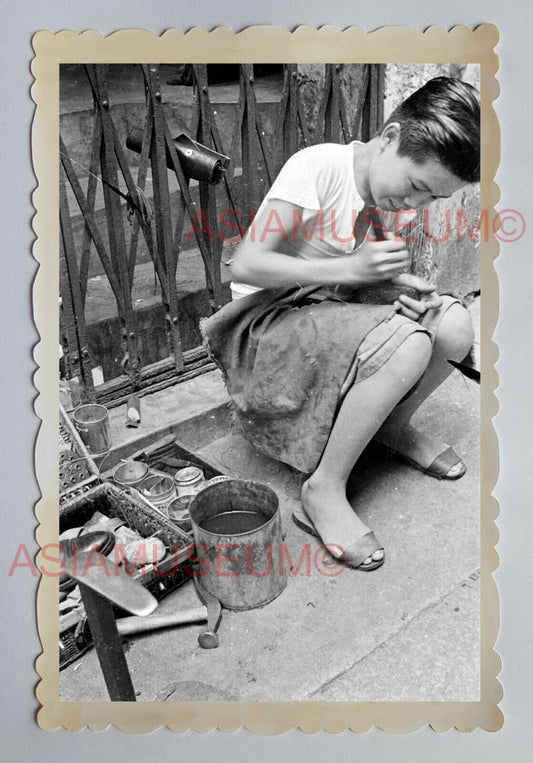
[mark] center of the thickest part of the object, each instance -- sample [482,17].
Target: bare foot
[334,519]
[410,442]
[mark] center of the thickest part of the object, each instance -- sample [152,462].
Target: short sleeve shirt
[320,182]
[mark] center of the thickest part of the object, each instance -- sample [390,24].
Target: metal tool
[99,591]
[210,611]
[127,626]
[100,588]
[466,370]
[209,638]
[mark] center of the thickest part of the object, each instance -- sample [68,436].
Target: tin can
[217,479]
[178,512]
[92,424]
[189,481]
[130,474]
[158,489]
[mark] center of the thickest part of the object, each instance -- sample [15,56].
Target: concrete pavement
[407,631]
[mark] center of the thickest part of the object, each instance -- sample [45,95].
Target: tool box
[78,472]
[95,493]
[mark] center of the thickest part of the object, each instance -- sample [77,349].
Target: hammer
[210,611]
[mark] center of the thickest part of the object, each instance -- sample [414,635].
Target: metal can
[178,512]
[189,481]
[158,488]
[130,474]
[217,479]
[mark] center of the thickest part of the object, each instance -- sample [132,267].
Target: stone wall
[311,79]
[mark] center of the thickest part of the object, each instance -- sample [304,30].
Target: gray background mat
[22,738]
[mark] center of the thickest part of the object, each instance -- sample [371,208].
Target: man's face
[396,182]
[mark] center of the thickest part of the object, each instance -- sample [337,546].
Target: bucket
[92,423]
[237,532]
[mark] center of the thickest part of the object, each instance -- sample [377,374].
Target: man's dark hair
[441,120]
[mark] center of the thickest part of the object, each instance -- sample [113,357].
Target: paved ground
[407,631]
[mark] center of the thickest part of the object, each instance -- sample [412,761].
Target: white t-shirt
[320,182]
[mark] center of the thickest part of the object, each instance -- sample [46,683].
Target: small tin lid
[130,472]
[217,479]
[188,475]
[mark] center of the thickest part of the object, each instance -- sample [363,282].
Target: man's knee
[413,355]
[455,333]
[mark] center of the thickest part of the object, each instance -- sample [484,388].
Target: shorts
[383,340]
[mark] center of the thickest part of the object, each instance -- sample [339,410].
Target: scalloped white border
[254,44]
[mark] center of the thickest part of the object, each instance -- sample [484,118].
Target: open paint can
[92,423]
[237,531]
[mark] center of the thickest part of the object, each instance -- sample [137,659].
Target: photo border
[256,44]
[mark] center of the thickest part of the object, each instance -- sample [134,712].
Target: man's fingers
[415,305]
[415,282]
[409,313]
[433,302]
[400,258]
[390,245]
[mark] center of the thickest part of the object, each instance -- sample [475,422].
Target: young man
[312,383]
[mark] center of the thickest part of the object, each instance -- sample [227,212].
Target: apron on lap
[284,360]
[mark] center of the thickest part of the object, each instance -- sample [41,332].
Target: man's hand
[375,261]
[415,308]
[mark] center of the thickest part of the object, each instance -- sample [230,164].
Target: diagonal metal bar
[115,222]
[207,108]
[149,230]
[248,133]
[192,212]
[290,131]
[165,244]
[208,201]
[132,191]
[90,223]
[278,143]
[91,201]
[141,182]
[68,318]
[69,250]
[235,138]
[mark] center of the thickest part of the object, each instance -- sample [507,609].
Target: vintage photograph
[269,382]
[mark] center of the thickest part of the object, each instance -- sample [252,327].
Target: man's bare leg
[453,341]
[363,411]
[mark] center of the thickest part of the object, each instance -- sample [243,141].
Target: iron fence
[159,221]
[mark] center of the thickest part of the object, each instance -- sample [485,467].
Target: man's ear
[390,135]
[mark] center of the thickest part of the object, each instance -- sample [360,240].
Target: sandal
[355,553]
[438,468]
